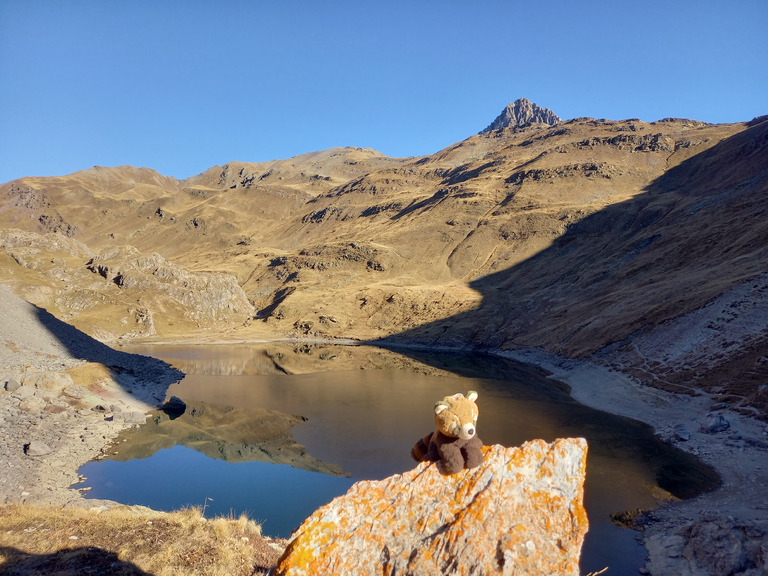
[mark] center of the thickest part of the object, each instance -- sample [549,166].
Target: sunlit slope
[569,237]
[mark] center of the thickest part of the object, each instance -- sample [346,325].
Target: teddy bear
[455,442]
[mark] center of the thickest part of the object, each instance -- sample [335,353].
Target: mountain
[522,112]
[640,245]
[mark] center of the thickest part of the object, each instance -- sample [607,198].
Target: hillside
[641,245]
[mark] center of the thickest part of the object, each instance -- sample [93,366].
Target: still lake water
[364,409]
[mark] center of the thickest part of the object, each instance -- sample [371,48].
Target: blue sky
[180,86]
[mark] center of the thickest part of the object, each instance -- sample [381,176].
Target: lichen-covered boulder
[521,512]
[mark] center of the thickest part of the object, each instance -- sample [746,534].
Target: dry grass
[130,541]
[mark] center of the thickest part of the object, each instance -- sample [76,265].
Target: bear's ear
[472,395]
[440,406]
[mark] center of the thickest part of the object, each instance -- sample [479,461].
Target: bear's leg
[452,459]
[473,456]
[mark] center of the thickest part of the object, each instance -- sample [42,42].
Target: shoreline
[739,454]
[715,530]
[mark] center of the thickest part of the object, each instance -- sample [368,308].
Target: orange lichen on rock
[521,512]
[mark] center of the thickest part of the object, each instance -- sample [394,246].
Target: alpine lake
[276,430]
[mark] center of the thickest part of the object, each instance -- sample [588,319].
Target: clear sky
[180,86]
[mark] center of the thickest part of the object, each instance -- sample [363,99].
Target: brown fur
[455,416]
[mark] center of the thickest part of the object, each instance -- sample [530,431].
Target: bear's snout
[467,432]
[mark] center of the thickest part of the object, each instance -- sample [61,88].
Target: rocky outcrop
[712,544]
[521,112]
[205,296]
[519,513]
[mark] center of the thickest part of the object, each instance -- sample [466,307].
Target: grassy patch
[130,541]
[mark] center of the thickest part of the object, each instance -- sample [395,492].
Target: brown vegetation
[130,541]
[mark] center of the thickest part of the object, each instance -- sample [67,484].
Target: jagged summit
[521,112]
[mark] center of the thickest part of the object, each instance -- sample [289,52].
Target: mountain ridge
[487,242]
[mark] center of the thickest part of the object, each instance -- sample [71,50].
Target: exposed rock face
[521,112]
[711,544]
[519,513]
[205,295]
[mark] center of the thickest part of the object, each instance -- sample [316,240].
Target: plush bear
[455,442]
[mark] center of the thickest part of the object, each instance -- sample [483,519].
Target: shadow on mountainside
[66,562]
[696,231]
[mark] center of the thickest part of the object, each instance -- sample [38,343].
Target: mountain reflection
[225,433]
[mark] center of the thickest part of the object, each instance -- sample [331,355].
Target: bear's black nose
[470,432]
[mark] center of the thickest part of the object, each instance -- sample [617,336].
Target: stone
[32,404]
[681,433]
[75,391]
[56,407]
[131,417]
[53,381]
[520,512]
[714,423]
[711,544]
[174,407]
[36,448]
[11,384]
[23,392]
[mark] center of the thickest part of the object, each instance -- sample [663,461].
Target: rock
[174,407]
[520,512]
[11,384]
[75,391]
[712,544]
[714,423]
[32,404]
[521,112]
[681,433]
[56,407]
[131,417]
[36,448]
[53,381]
[202,296]
[23,392]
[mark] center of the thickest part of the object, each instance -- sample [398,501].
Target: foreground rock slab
[521,512]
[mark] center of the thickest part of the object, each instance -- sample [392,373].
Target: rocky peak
[521,112]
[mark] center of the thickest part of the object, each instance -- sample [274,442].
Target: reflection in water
[277,496]
[224,432]
[366,420]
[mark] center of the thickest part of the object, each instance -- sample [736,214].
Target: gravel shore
[720,532]
[63,396]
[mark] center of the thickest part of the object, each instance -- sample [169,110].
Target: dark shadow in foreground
[66,562]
